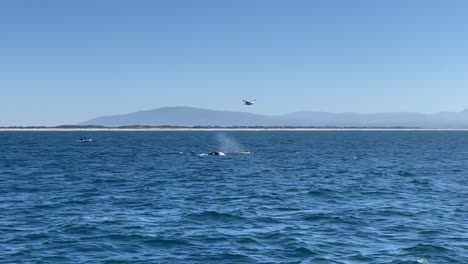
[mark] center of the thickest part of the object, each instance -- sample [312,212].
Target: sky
[67,61]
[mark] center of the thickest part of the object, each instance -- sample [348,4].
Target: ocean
[276,197]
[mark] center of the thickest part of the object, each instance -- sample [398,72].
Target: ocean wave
[427,248]
[214,216]
[147,203]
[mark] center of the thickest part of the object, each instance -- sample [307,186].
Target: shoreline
[219,129]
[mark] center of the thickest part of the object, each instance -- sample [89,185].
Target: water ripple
[299,197]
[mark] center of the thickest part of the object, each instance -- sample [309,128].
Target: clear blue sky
[66,61]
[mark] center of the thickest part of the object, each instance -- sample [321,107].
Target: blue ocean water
[299,197]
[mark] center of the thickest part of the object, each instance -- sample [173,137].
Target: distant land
[190,118]
[204,118]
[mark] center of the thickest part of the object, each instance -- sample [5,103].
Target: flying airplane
[249,102]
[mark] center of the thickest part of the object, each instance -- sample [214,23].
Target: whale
[217,153]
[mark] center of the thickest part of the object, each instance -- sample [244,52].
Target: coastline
[220,129]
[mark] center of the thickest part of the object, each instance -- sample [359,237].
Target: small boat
[84,140]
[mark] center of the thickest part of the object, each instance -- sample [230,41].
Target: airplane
[249,102]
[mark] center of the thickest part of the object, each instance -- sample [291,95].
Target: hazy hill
[437,120]
[184,116]
[189,116]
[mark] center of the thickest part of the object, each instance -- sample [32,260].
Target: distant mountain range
[190,117]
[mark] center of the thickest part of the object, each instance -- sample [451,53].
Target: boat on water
[84,140]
